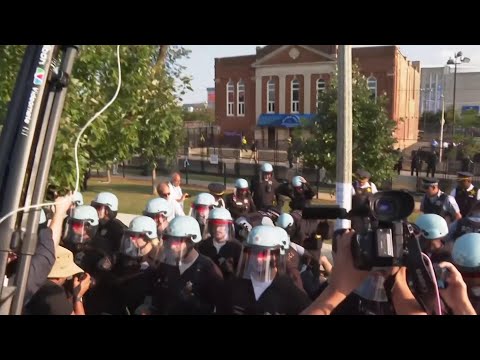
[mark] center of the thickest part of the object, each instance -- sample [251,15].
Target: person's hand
[345,277]
[63,203]
[184,196]
[455,295]
[302,179]
[80,287]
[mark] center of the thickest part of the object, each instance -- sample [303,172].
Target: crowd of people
[240,253]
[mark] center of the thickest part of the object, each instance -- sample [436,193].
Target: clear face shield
[102,211]
[261,264]
[200,213]
[135,244]
[79,233]
[176,249]
[267,176]
[241,194]
[221,230]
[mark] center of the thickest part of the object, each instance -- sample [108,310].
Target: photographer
[53,297]
[345,278]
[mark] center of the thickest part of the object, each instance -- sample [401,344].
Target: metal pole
[442,122]
[51,118]
[344,133]
[454,94]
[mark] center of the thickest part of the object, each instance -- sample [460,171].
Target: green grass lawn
[134,194]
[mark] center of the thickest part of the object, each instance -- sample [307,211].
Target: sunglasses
[168,194]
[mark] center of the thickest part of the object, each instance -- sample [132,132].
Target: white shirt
[366,185]
[454,191]
[218,245]
[175,208]
[176,192]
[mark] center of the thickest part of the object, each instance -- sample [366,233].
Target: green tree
[10,59]
[204,115]
[373,131]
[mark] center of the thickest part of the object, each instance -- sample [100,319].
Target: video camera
[386,240]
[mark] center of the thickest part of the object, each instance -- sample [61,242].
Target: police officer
[140,251]
[77,200]
[201,206]
[261,286]
[433,234]
[159,210]
[466,194]
[468,224]
[299,191]
[186,282]
[240,202]
[217,190]
[82,229]
[221,246]
[362,190]
[140,247]
[466,257]
[309,233]
[264,189]
[437,202]
[110,229]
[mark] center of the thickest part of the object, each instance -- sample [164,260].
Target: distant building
[438,81]
[266,94]
[211,98]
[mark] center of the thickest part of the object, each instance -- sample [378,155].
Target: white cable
[434,279]
[77,168]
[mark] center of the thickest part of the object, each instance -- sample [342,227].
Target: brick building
[266,94]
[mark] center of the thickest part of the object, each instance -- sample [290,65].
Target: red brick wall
[235,69]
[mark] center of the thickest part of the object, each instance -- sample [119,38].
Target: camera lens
[385,207]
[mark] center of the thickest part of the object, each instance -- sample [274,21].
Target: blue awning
[284,120]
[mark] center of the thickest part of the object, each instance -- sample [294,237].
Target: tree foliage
[373,131]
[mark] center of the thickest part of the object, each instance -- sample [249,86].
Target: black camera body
[385,242]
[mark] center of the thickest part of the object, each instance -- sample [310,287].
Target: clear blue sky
[201,63]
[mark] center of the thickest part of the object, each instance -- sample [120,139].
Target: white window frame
[271,102]
[230,104]
[370,86]
[295,104]
[321,86]
[240,104]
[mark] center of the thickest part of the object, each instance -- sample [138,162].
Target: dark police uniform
[281,297]
[229,252]
[465,198]
[265,193]
[240,207]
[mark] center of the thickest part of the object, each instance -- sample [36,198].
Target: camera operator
[345,278]
[62,293]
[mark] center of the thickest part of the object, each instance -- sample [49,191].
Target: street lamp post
[461,59]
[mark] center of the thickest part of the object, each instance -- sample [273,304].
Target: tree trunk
[154,177]
[109,178]
[162,55]
[123,169]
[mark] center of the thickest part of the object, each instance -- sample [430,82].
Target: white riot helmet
[286,222]
[108,202]
[82,225]
[201,206]
[159,210]
[180,237]
[261,256]
[141,232]
[220,225]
